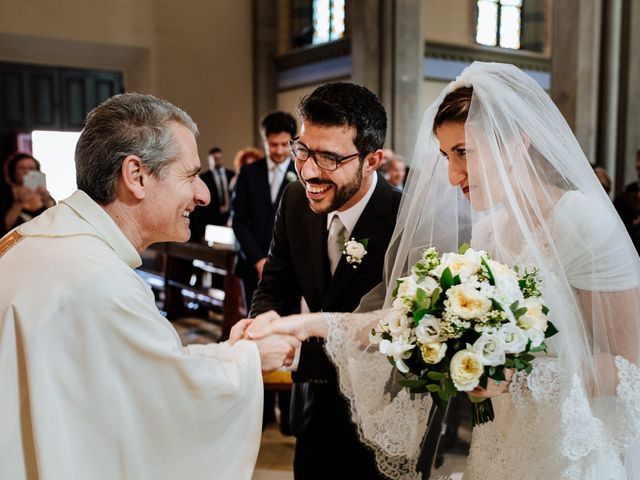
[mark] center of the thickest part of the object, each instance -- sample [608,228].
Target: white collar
[106,227]
[273,166]
[350,217]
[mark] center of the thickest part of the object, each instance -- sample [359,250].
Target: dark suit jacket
[210,214]
[253,213]
[298,266]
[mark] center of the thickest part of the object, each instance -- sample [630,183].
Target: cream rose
[466,303]
[433,352]
[466,369]
[464,265]
[407,287]
[533,318]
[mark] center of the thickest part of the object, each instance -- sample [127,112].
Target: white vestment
[94,382]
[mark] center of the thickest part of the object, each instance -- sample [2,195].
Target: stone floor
[275,458]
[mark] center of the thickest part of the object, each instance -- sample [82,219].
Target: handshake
[278,337]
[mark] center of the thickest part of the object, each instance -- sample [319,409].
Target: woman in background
[24,203]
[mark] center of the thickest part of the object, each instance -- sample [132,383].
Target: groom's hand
[270,323]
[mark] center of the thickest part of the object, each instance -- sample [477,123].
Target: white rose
[466,369]
[397,323]
[407,287]
[466,303]
[428,284]
[464,265]
[507,288]
[433,352]
[428,330]
[401,304]
[490,349]
[355,249]
[512,337]
[399,350]
[533,318]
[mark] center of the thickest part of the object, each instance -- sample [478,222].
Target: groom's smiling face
[343,187]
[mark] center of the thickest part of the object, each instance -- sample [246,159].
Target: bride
[497,166]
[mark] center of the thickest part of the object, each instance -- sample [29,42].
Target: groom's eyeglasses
[324,160]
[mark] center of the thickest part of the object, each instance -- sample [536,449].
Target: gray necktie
[335,242]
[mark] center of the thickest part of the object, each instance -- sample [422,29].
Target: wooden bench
[188,275]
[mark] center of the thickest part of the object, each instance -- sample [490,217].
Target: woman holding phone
[27,199]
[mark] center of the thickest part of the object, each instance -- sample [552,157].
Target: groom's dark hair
[342,104]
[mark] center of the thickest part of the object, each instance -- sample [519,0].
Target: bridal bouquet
[461,319]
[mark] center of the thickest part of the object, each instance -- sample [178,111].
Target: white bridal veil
[534,202]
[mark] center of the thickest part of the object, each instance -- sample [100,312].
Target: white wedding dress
[536,434]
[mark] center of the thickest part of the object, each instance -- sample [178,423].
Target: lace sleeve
[541,385]
[390,420]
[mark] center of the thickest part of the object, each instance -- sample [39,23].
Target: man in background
[396,172]
[256,196]
[217,180]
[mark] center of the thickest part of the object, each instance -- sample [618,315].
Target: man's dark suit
[298,266]
[210,214]
[253,216]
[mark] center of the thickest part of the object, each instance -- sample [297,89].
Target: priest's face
[175,194]
[338,189]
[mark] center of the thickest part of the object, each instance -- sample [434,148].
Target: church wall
[199,57]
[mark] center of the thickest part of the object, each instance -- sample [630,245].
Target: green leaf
[449,387]
[551,330]
[456,280]
[492,371]
[528,369]
[520,365]
[446,279]
[526,357]
[509,363]
[498,376]
[421,296]
[433,387]
[483,381]
[395,290]
[496,305]
[519,312]
[490,277]
[444,395]
[418,315]
[514,306]
[540,348]
[364,242]
[435,295]
[463,248]
[433,375]
[545,310]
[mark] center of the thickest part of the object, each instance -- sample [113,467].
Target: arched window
[499,23]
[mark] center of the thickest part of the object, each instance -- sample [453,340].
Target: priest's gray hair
[126,124]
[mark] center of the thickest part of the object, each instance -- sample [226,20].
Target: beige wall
[198,56]
[448,21]
[288,99]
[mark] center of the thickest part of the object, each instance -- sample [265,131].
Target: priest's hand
[276,351]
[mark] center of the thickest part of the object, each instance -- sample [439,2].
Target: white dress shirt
[277,171]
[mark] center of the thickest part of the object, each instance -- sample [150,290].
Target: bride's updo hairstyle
[454,107]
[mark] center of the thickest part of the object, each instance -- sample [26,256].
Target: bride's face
[452,145]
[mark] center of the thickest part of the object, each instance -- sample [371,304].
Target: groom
[340,197]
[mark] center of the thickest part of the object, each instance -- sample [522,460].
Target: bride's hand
[493,388]
[301,326]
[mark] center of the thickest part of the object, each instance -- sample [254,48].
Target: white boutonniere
[291,176]
[355,250]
